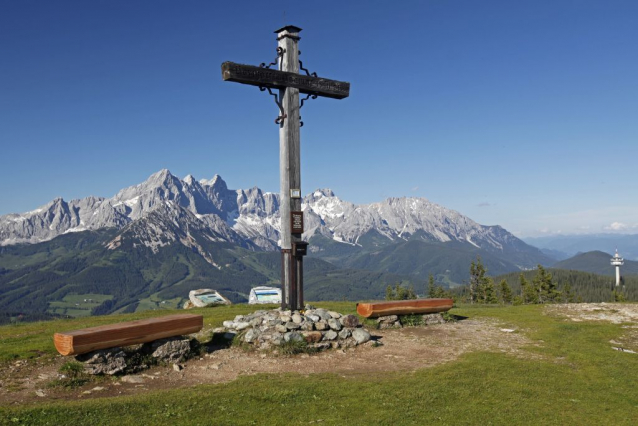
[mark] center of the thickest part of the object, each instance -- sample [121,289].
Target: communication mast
[617,261]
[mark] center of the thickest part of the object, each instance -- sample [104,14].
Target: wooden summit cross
[289,83]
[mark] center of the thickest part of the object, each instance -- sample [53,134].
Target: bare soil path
[405,349]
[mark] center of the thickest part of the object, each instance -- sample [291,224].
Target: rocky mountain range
[166,209]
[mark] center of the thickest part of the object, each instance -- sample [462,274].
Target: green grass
[77,305]
[156,303]
[570,376]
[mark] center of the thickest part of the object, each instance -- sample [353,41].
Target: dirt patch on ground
[616,313]
[405,349]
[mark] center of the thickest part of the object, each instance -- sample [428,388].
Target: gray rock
[274,322]
[132,379]
[309,307]
[297,319]
[251,335]
[285,318]
[349,321]
[345,333]
[335,315]
[292,326]
[307,326]
[388,318]
[107,361]
[313,317]
[177,367]
[360,335]
[293,336]
[322,345]
[323,314]
[281,328]
[431,319]
[334,324]
[385,325]
[239,318]
[229,324]
[322,325]
[239,326]
[174,349]
[348,343]
[330,335]
[277,339]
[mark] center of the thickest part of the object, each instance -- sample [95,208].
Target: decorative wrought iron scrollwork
[282,117]
[314,74]
[310,96]
[279,57]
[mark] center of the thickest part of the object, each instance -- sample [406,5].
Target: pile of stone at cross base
[319,328]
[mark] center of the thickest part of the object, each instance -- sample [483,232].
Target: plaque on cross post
[289,82]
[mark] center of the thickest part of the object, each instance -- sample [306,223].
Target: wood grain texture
[276,79]
[127,333]
[404,307]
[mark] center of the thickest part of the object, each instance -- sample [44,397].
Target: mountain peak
[216,182]
[189,179]
[323,192]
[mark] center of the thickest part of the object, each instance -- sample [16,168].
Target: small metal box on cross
[289,83]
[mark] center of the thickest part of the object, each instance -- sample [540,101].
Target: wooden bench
[404,307]
[126,333]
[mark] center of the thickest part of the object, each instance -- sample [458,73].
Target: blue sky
[522,114]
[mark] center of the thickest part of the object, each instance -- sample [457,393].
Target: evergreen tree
[545,286]
[399,293]
[506,292]
[528,292]
[481,286]
[489,292]
[568,296]
[431,287]
[389,293]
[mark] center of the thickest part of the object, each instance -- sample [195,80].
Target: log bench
[126,333]
[404,307]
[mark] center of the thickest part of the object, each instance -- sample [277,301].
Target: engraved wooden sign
[296,222]
[265,77]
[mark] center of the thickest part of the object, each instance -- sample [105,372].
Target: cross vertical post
[289,83]
[289,171]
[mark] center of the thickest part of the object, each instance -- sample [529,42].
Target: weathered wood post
[289,170]
[289,83]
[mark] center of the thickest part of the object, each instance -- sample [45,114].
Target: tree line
[543,285]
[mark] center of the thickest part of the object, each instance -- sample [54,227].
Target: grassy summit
[562,372]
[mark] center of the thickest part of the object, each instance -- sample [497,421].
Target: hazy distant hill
[597,262]
[569,245]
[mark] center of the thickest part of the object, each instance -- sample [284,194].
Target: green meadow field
[566,374]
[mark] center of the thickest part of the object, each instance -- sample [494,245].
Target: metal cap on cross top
[288,28]
[290,83]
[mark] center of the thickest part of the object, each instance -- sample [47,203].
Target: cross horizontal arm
[264,77]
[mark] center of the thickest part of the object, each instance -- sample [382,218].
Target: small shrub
[411,320]
[74,375]
[448,317]
[294,347]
